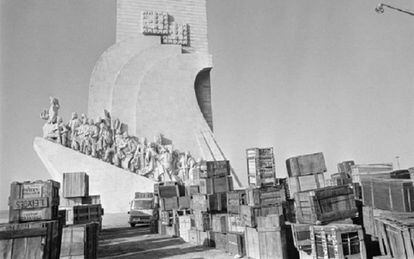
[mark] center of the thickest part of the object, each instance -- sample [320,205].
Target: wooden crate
[236,244]
[217,202]
[200,237]
[75,185]
[248,215]
[30,201]
[325,205]
[219,223]
[192,189]
[301,236]
[206,186]
[219,241]
[270,223]
[144,195]
[234,224]
[260,152]
[169,203]
[396,234]
[200,202]
[266,245]
[40,239]
[337,241]
[216,169]
[68,202]
[223,184]
[234,200]
[161,228]
[184,223]
[80,241]
[172,230]
[166,217]
[184,202]
[82,214]
[345,167]
[388,194]
[305,183]
[361,171]
[306,164]
[369,215]
[169,191]
[265,196]
[202,220]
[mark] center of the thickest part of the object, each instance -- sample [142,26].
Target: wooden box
[301,236]
[216,169]
[248,215]
[68,202]
[388,194]
[235,224]
[345,167]
[219,223]
[82,214]
[192,189]
[234,200]
[369,215]
[260,152]
[75,185]
[39,239]
[325,205]
[166,217]
[218,202]
[223,184]
[30,201]
[266,245]
[169,203]
[206,186]
[337,241]
[169,191]
[80,241]
[202,220]
[362,171]
[184,223]
[184,202]
[236,244]
[161,228]
[305,183]
[270,223]
[265,196]
[219,241]
[396,235]
[306,164]
[200,202]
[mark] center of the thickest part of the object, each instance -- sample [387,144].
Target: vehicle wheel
[132,224]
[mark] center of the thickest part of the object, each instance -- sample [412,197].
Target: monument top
[191,13]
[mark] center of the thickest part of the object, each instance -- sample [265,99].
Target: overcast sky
[301,76]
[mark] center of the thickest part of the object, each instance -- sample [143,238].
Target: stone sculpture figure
[73,126]
[93,135]
[83,134]
[51,114]
[63,132]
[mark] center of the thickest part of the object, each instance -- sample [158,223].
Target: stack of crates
[173,203]
[261,167]
[35,227]
[83,217]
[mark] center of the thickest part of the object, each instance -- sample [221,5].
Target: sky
[300,76]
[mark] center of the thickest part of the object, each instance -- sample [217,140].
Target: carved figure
[63,132]
[73,126]
[51,115]
[93,135]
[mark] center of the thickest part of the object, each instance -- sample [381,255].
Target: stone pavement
[138,242]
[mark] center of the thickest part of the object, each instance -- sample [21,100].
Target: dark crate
[169,203]
[206,186]
[223,184]
[265,195]
[184,202]
[306,164]
[218,202]
[325,205]
[31,201]
[168,191]
[388,194]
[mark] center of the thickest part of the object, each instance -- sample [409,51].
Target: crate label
[29,215]
[30,203]
[32,190]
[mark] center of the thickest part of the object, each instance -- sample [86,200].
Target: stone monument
[156,80]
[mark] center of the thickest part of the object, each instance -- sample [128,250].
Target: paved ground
[119,240]
[138,242]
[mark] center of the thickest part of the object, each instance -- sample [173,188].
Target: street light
[380,9]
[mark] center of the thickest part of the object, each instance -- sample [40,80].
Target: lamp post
[380,9]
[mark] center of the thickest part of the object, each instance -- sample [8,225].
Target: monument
[154,80]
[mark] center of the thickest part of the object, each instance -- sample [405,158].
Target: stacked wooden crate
[261,167]
[209,206]
[83,217]
[35,229]
[173,203]
[80,207]
[306,172]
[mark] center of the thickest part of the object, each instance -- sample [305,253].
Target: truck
[141,209]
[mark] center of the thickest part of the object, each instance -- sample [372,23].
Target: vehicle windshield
[142,204]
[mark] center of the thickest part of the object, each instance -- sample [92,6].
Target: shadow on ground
[140,243]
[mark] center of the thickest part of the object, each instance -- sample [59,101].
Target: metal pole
[380,9]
